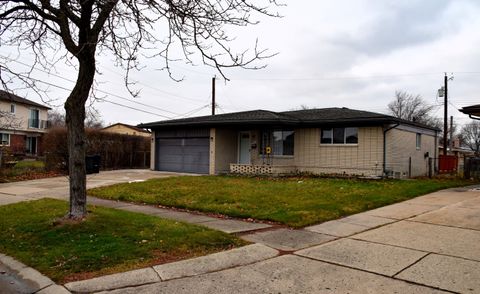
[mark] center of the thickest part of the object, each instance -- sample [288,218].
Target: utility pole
[213,96]
[445,115]
[451,132]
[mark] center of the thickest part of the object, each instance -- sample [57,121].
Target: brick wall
[401,146]
[17,144]
[364,158]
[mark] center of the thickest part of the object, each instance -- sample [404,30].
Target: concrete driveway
[58,187]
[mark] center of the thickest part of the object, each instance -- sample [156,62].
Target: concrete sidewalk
[430,244]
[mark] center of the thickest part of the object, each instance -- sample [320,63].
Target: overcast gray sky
[342,53]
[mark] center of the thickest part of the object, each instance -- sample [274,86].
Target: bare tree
[93,119]
[413,108]
[56,118]
[77,31]
[470,136]
[9,121]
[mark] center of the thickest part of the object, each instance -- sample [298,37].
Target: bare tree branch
[76,31]
[470,136]
[413,108]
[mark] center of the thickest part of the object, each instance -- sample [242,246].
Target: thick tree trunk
[75,119]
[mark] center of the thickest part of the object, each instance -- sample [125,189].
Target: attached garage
[184,150]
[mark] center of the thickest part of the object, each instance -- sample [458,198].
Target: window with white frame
[339,136]
[419,141]
[4,139]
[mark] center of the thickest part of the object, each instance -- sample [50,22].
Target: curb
[40,283]
[185,268]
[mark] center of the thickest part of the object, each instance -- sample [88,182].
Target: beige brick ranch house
[319,141]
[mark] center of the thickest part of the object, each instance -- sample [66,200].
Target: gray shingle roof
[5,96]
[308,117]
[252,117]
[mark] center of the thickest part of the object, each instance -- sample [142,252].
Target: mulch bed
[5,178]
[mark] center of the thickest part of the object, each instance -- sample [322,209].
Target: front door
[244,148]
[31,145]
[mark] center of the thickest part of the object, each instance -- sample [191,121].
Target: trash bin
[92,164]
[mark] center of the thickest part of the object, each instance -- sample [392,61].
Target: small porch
[250,169]
[252,151]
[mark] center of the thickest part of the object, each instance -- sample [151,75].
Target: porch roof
[299,118]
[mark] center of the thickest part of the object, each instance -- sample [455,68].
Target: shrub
[116,150]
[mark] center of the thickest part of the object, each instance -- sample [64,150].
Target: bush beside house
[117,151]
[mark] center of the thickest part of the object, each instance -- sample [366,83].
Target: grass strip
[294,201]
[107,241]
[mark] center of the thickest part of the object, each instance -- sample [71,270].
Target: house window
[4,139]
[339,136]
[12,108]
[281,141]
[419,141]
[34,121]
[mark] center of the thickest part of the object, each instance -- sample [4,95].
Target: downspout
[385,147]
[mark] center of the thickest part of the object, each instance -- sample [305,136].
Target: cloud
[398,25]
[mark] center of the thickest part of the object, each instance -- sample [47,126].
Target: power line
[195,110]
[111,94]
[336,78]
[100,91]
[156,89]
[140,83]
[104,100]
[123,105]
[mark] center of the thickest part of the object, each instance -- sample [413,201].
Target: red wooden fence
[447,163]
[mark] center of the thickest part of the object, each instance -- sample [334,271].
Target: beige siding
[211,160]
[152,151]
[226,144]
[21,116]
[364,158]
[401,146]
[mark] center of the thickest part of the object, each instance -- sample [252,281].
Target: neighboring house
[22,124]
[125,129]
[330,141]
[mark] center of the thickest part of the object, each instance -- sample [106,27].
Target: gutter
[474,117]
[385,147]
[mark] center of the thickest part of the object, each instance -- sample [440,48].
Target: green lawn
[107,241]
[29,164]
[295,202]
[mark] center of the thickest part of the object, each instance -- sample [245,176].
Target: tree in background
[470,136]
[93,119]
[9,121]
[413,108]
[77,31]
